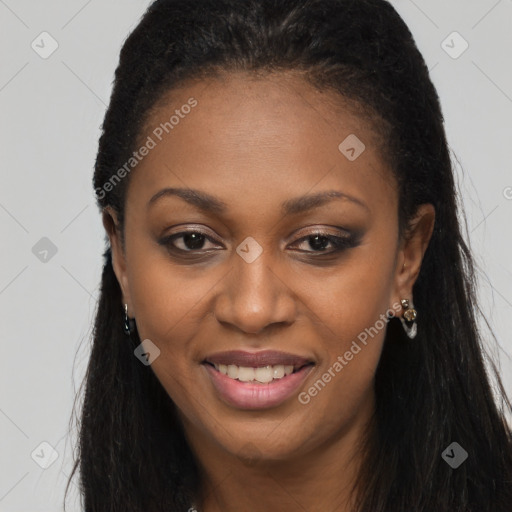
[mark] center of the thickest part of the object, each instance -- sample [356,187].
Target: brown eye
[187,241]
[319,243]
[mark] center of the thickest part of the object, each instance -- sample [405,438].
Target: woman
[287,313]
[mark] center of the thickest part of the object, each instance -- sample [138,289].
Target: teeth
[278,372]
[263,374]
[232,371]
[246,374]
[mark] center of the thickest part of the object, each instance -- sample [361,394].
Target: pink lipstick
[256,380]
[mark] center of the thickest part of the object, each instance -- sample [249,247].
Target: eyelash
[340,243]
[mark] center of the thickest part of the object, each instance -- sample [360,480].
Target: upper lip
[258,359]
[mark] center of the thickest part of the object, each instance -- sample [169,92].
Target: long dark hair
[132,453]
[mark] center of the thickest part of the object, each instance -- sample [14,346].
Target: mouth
[256,380]
[263,367]
[260,374]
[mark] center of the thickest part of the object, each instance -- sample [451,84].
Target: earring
[129,323]
[410,315]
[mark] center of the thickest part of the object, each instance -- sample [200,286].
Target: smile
[263,374]
[256,380]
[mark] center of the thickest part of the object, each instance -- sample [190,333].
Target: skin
[255,143]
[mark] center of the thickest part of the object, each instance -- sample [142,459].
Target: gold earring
[410,315]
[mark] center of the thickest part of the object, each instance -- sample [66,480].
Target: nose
[254,297]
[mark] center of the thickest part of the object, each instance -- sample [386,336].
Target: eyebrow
[211,204]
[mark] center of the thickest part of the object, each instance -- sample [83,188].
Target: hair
[131,452]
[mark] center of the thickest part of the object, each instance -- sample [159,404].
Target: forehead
[253,139]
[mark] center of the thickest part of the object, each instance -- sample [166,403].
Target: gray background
[51,111]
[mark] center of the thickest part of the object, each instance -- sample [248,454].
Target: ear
[112,228]
[411,250]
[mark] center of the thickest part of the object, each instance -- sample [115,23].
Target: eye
[318,242]
[196,242]
[187,241]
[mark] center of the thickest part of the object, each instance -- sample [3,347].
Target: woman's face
[278,250]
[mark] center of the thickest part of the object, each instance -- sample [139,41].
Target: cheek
[342,385]
[356,293]
[172,305]
[350,309]
[168,299]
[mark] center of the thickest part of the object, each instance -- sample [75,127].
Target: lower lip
[250,395]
